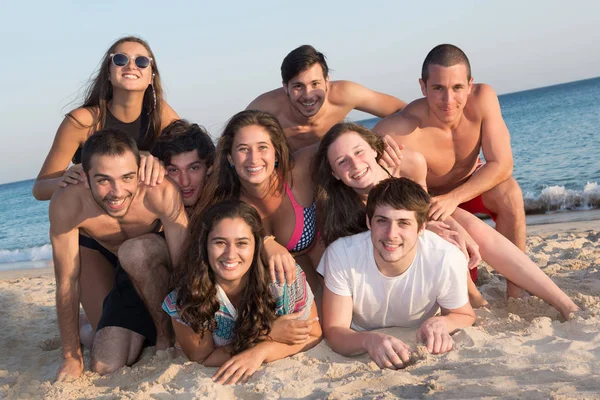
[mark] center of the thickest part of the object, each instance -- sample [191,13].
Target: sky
[216,57]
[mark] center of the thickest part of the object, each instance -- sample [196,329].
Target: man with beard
[308,104]
[116,208]
[396,274]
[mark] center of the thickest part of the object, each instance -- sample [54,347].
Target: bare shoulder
[403,123]
[270,101]
[482,90]
[167,114]
[342,92]
[482,96]
[66,207]
[82,118]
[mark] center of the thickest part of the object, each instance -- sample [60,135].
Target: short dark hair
[108,142]
[181,136]
[445,55]
[299,60]
[402,194]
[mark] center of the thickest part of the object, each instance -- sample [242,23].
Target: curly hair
[341,212]
[224,183]
[99,92]
[195,282]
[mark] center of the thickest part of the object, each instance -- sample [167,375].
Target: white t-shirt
[436,278]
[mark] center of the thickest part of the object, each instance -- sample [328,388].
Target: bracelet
[267,238]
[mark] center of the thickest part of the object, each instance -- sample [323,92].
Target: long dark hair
[100,91]
[341,212]
[224,183]
[195,281]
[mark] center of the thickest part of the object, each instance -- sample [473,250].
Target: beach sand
[517,349]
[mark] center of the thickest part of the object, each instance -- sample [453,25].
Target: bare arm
[495,143]
[243,365]
[386,350]
[69,136]
[337,317]
[64,237]
[367,100]
[165,201]
[168,115]
[195,347]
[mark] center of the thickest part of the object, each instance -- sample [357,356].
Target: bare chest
[112,232]
[451,155]
[300,136]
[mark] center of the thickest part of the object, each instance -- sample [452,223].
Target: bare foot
[86,332]
[163,342]
[569,309]
[513,290]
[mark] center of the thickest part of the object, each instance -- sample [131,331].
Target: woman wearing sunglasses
[125,94]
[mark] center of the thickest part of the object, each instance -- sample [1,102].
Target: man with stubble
[450,126]
[116,208]
[308,104]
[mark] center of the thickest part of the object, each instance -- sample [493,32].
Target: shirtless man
[308,104]
[117,207]
[450,126]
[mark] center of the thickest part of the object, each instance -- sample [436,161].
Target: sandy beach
[517,348]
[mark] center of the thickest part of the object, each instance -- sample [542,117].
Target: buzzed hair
[301,59]
[108,142]
[401,194]
[445,55]
[181,136]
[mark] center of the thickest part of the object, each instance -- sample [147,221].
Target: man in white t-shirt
[395,274]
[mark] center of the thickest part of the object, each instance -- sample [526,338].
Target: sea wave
[558,198]
[31,254]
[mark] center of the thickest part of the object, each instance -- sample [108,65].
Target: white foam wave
[558,198]
[31,254]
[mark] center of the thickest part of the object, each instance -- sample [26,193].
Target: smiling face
[253,154]
[394,234]
[114,182]
[447,91]
[307,91]
[230,250]
[188,172]
[353,161]
[131,77]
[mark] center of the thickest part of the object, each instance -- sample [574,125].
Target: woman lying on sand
[344,172]
[224,304]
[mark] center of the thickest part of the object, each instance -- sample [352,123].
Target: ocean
[555,136]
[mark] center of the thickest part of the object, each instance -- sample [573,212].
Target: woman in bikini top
[254,164]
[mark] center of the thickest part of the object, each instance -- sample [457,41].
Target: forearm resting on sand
[67,307]
[346,341]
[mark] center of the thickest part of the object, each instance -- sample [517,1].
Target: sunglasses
[121,60]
